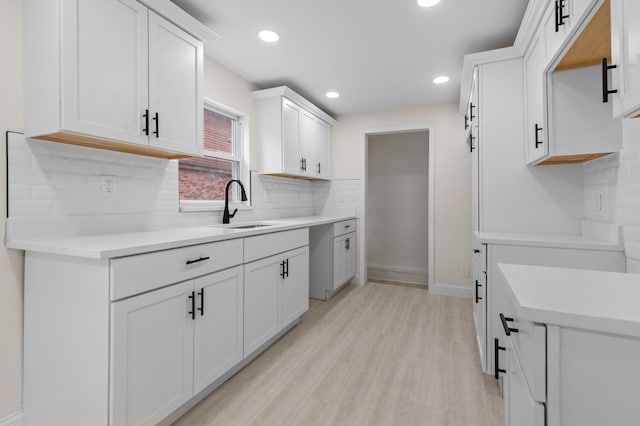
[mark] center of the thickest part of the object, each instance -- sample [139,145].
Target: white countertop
[591,300]
[105,246]
[575,241]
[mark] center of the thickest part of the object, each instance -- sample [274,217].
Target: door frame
[364,151]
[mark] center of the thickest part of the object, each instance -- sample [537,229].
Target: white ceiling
[379,54]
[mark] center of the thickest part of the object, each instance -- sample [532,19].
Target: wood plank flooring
[373,355]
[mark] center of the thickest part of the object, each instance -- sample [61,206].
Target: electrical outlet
[464,271]
[108,186]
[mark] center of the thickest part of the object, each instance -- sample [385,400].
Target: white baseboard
[12,419]
[397,274]
[357,279]
[455,290]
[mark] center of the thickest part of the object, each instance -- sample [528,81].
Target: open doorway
[397,238]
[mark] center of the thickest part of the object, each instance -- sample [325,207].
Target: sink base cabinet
[91,357]
[276,294]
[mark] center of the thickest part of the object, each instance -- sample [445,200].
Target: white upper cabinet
[112,74]
[322,168]
[625,52]
[534,65]
[294,136]
[175,88]
[566,118]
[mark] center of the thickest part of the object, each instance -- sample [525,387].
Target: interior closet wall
[397,207]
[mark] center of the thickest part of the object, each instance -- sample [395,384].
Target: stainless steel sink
[257,225]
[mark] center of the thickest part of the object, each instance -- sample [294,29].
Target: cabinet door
[175,88]
[474,148]
[350,257]
[291,138]
[520,408]
[218,326]
[105,87]
[535,131]
[294,288]
[339,260]
[480,311]
[152,355]
[322,166]
[625,51]
[261,301]
[307,143]
[555,34]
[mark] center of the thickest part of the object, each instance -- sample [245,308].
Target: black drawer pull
[347,226]
[538,129]
[156,132]
[192,312]
[496,359]
[605,80]
[478,285]
[189,262]
[507,330]
[476,251]
[201,308]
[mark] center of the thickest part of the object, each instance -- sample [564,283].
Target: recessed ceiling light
[428,3]
[441,79]
[333,95]
[269,36]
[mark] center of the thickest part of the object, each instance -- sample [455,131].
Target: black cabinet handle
[286,262]
[201,308]
[466,121]
[156,132]
[282,269]
[478,285]
[202,259]
[605,80]
[471,112]
[476,251]
[347,243]
[192,312]
[538,129]
[471,139]
[146,122]
[507,330]
[496,358]
[560,16]
[319,168]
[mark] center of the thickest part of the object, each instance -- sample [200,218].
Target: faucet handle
[234,213]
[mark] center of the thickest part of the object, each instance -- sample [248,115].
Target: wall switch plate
[108,186]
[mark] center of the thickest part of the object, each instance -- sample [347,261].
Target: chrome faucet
[226,216]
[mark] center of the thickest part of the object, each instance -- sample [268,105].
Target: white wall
[397,206]
[452,207]
[11,118]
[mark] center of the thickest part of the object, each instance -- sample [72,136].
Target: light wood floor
[373,355]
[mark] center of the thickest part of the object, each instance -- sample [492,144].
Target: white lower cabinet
[276,293]
[171,343]
[520,408]
[480,309]
[344,258]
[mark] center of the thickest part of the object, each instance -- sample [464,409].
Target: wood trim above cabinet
[90,142]
[593,43]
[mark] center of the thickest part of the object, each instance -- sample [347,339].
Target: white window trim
[243,157]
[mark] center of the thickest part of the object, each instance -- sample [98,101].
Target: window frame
[241,133]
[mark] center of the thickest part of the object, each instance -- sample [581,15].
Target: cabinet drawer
[529,342]
[344,227]
[136,274]
[266,245]
[480,256]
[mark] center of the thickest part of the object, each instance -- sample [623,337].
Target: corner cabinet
[294,136]
[113,75]
[625,51]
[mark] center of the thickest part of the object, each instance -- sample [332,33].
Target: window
[203,180]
